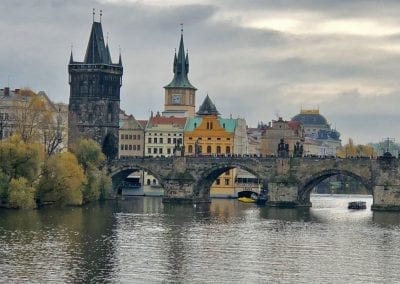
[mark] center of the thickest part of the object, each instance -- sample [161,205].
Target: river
[141,240]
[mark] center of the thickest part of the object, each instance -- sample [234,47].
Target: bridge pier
[386,198]
[182,191]
[284,194]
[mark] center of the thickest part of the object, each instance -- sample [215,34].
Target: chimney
[7,91]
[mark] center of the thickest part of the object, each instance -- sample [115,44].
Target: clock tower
[180,95]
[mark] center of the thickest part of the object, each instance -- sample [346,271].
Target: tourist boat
[357,205]
[246,200]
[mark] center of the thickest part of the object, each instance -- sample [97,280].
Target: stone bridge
[287,181]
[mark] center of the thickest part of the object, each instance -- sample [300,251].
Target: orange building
[208,134]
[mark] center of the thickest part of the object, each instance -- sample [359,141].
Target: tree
[90,156]
[38,120]
[62,181]
[352,150]
[20,159]
[21,194]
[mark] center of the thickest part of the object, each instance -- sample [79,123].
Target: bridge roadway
[287,181]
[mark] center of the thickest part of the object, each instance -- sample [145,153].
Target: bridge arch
[306,187]
[121,173]
[207,178]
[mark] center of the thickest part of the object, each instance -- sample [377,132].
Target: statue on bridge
[197,148]
[283,149]
[179,149]
[298,150]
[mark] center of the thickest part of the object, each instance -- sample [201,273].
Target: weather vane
[94,13]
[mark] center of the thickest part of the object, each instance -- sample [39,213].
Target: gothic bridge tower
[180,93]
[95,94]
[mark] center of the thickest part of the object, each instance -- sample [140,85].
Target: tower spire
[181,67]
[71,57]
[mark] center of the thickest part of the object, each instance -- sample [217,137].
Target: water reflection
[301,214]
[386,219]
[77,242]
[142,240]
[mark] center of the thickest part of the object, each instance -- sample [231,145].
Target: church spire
[181,68]
[71,57]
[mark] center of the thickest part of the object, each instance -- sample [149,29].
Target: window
[218,182]
[209,138]
[227,181]
[160,150]
[149,140]
[218,149]
[148,181]
[190,138]
[122,136]
[130,147]
[126,147]
[149,150]
[169,151]
[155,140]
[169,140]
[126,136]
[174,140]
[190,148]
[227,173]
[138,147]
[122,147]
[134,137]
[155,151]
[211,125]
[134,147]
[154,182]
[208,149]
[161,141]
[228,150]
[130,137]
[223,125]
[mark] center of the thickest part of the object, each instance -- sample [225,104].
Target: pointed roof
[96,51]
[108,55]
[71,58]
[181,69]
[208,108]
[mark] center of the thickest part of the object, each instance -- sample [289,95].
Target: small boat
[357,205]
[246,200]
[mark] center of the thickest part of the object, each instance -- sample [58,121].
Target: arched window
[148,181]
[154,182]
[228,149]
[208,149]
[218,149]
[190,149]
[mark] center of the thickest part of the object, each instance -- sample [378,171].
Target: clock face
[176,99]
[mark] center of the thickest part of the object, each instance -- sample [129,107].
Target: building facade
[94,100]
[290,131]
[208,134]
[131,136]
[163,135]
[319,138]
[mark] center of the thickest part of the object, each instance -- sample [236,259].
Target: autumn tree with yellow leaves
[352,150]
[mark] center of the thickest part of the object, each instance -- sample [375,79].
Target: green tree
[92,159]
[89,154]
[62,180]
[20,159]
[21,194]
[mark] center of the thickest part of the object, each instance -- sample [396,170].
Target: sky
[257,60]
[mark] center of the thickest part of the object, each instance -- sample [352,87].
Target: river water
[141,240]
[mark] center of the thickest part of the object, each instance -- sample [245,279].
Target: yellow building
[208,134]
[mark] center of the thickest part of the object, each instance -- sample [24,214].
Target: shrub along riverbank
[30,178]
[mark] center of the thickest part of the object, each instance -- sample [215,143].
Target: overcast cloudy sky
[256,59]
